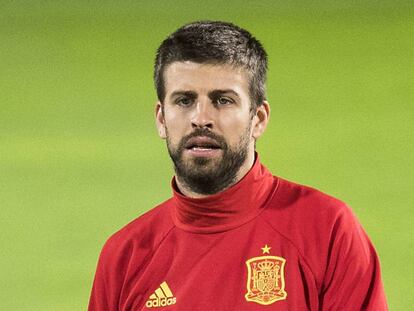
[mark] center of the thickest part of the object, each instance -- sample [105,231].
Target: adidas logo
[162,297]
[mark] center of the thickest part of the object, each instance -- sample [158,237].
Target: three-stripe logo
[161,297]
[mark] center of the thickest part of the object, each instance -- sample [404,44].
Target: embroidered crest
[266,278]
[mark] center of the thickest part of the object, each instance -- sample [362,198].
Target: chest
[249,269]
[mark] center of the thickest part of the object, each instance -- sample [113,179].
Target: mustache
[203,132]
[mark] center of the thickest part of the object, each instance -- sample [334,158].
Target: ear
[260,120]
[159,120]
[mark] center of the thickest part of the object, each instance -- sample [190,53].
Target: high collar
[228,209]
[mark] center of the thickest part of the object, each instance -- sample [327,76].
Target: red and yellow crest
[266,279]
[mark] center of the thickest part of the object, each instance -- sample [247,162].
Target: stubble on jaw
[209,176]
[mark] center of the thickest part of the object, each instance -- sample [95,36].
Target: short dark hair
[214,42]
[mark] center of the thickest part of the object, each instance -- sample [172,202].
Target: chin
[202,164]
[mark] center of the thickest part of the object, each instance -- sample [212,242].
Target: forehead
[205,77]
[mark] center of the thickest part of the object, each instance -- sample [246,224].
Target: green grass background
[80,156]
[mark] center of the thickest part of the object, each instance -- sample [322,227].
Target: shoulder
[142,234]
[305,204]
[312,221]
[128,248]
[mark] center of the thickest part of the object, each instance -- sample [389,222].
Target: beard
[209,175]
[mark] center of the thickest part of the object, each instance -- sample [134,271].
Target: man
[232,237]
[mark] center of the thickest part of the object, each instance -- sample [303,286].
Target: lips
[202,142]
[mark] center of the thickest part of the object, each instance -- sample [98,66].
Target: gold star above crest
[266,249]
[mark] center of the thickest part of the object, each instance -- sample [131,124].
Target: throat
[236,204]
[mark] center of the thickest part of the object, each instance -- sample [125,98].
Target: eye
[224,101]
[184,101]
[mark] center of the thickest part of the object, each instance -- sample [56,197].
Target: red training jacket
[263,244]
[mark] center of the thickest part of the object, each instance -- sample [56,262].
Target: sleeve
[108,279]
[352,279]
[98,300]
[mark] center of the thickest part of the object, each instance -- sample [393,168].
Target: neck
[227,209]
[244,169]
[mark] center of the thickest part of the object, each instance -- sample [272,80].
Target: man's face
[208,123]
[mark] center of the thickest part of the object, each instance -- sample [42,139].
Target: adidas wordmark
[161,297]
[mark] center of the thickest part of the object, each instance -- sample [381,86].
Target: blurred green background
[80,156]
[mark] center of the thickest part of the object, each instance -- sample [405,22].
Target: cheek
[233,128]
[174,117]
[175,129]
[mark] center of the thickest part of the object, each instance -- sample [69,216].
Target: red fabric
[200,248]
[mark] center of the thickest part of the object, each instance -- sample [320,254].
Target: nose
[203,115]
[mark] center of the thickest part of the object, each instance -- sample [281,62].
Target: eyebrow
[211,94]
[186,93]
[215,93]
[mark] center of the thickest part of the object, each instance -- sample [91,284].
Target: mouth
[202,146]
[202,143]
